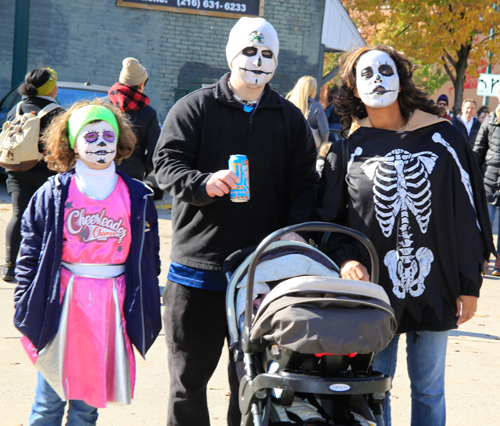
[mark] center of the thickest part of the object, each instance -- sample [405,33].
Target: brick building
[88,39]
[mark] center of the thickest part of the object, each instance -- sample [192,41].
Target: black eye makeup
[267,54]
[366,72]
[386,70]
[249,51]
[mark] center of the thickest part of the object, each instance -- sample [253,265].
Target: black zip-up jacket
[487,152]
[200,132]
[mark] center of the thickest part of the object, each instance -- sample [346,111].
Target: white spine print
[401,185]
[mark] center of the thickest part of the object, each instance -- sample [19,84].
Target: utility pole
[486,99]
[21,34]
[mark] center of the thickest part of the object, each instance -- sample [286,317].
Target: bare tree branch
[487,38]
[403,30]
[448,71]
[450,58]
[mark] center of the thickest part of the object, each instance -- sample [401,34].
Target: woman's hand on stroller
[353,270]
[293,236]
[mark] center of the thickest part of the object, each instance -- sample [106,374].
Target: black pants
[195,329]
[21,186]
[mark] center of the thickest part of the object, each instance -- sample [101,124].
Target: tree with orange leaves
[453,34]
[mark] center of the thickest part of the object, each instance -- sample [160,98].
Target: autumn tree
[454,35]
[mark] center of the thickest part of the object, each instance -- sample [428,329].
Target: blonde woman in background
[302,96]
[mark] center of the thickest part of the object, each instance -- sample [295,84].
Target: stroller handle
[307,226]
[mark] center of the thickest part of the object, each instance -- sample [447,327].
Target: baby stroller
[305,337]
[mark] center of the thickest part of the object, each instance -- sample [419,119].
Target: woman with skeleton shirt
[406,179]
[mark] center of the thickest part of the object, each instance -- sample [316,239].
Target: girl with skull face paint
[412,186]
[90,261]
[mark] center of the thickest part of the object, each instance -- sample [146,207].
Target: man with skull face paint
[240,114]
[412,186]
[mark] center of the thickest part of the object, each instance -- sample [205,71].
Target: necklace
[244,102]
[250,104]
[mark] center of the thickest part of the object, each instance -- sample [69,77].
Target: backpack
[19,139]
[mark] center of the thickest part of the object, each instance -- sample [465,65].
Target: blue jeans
[491,211]
[48,409]
[425,357]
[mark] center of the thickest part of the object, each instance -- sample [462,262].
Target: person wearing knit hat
[133,73]
[46,88]
[240,114]
[128,95]
[442,100]
[443,103]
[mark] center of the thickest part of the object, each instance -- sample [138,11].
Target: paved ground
[472,368]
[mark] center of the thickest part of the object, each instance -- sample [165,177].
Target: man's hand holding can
[221,182]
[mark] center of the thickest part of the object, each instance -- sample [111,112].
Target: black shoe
[8,272]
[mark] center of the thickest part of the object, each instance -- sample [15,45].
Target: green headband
[86,115]
[49,85]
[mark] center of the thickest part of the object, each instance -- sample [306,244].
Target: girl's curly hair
[60,157]
[411,96]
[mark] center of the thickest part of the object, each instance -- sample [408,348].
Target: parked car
[69,92]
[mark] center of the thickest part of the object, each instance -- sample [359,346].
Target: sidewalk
[472,367]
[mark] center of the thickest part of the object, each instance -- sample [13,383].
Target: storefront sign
[228,9]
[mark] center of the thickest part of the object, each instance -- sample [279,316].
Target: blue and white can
[239,165]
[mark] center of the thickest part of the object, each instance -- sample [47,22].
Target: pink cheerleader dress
[91,357]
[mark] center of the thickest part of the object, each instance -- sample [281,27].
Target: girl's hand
[353,270]
[466,308]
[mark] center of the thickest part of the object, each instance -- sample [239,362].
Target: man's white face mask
[254,66]
[377,79]
[96,144]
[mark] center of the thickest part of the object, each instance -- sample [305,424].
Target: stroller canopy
[326,315]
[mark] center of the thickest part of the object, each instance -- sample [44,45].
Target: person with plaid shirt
[128,95]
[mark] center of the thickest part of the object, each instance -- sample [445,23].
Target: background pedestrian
[302,96]
[487,152]
[38,91]
[128,95]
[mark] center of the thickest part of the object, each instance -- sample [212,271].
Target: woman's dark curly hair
[410,97]
[60,157]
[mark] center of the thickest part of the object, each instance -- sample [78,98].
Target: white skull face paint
[254,66]
[96,144]
[377,79]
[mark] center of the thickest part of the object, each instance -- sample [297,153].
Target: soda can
[239,165]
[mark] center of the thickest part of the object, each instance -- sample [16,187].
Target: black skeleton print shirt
[419,198]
